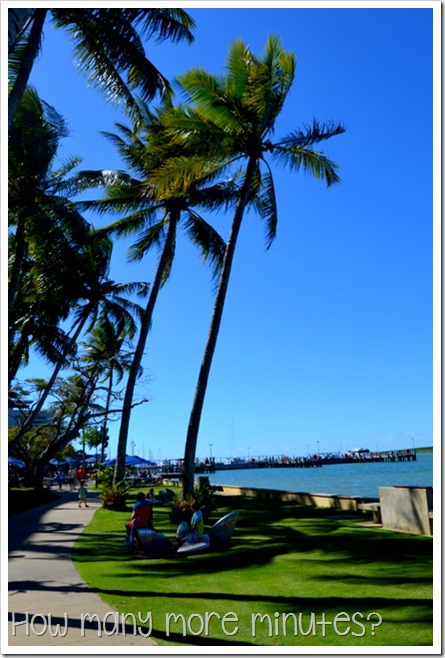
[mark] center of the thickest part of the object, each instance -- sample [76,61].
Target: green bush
[182,506]
[105,475]
[114,496]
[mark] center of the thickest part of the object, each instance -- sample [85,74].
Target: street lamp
[210,448]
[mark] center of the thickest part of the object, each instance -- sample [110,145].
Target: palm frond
[207,239]
[313,134]
[266,205]
[275,77]
[312,162]
[152,236]
[238,67]
[176,175]
[161,24]
[67,166]
[208,93]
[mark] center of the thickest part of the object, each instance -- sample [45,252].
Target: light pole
[132,447]
[318,448]
[210,449]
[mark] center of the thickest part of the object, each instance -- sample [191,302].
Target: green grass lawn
[292,576]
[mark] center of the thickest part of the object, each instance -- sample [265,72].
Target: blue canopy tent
[131,460]
[56,462]
[16,462]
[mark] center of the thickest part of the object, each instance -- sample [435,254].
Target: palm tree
[156,220]
[48,235]
[108,47]
[100,297]
[105,348]
[230,120]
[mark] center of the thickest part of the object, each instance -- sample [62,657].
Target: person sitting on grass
[150,496]
[141,517]
[191,534]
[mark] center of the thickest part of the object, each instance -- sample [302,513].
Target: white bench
[371,507]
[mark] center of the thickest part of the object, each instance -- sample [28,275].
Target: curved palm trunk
[103,433]
[119,470]
[32,48]
[18,20]
[188,474]
[15,276]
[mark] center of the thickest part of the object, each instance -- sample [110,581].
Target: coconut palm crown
[227,122]
[155,220]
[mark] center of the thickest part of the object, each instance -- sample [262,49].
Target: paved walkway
[43,581]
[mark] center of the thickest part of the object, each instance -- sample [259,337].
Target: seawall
[348,503]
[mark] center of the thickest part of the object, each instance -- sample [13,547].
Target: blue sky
[326,341]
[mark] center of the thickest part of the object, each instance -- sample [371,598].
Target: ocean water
[361,479]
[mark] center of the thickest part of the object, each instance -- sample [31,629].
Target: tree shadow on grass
[265,532]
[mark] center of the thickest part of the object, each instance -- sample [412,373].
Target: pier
[313,461]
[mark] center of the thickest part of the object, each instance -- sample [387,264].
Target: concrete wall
[407,509]
[348,503]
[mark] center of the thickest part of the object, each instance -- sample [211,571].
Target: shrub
[114,496]
[105,475]
[182,506]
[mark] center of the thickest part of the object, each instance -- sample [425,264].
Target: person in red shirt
[141,517]
[81,474]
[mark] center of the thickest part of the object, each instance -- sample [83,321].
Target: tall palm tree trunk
[188,474]
[14,279]
[32,48]
[119,470]
[103,431]
[18,20]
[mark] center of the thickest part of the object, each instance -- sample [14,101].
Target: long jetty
[314,461]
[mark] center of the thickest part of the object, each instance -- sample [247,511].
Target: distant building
[16,416]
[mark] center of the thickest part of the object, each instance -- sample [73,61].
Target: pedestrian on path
[60,478]
[82,494]
[71,478]
[81,474]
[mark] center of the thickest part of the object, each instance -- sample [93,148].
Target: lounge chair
[221,532]
[153,543]
[217,537]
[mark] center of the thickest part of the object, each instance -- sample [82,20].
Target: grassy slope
[282,559]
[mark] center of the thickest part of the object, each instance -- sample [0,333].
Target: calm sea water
[360,479]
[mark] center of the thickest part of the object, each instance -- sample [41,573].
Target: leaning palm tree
[101,298]
[226,121]
[155,220]
[53,254]
[104,347]
[48,235]
[108,47]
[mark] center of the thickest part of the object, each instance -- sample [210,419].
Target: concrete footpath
[43,581]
